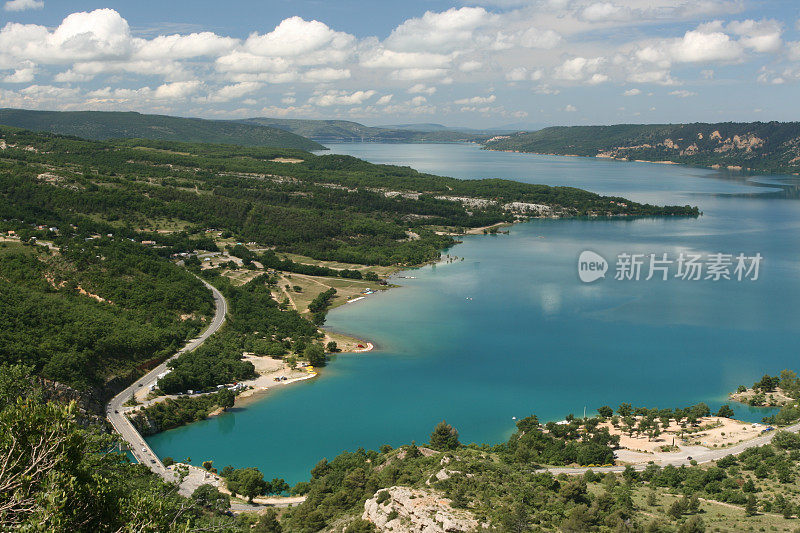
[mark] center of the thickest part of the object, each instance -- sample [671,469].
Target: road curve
[680,459]
[116,412]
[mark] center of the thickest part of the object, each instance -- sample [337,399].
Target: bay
[510,330]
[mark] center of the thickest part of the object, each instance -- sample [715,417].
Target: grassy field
[381,271]
[717,516]
[311,286]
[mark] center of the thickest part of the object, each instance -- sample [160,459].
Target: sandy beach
[710,433]
[274,373]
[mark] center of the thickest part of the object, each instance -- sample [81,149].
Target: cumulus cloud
[470,66]
[540,46]
[604,11]
[569,108]
[760,36]
[100,34]
[443,32]
[421,88]
[177,90]
[184,46]
[383,58]
[22,5]
[581,69]
[21,75]
[703,45]
[412,74]
[477,100]
[234,92]
[682,93]
[325,75]
[331,98]
[296,37]
[517,74]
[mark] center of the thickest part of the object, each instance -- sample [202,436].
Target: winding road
[116,412]
[145,455]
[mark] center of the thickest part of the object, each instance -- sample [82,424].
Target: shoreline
[716,166]
[260,387]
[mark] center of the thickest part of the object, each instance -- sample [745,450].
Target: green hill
[347,131]
[760,146]
[103,125]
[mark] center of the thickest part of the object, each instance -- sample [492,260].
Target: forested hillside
[760,146]
[327,207]
[441,486]
[347,131]
[102,125]
[102,299]
[95,310]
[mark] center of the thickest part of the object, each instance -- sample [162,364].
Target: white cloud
[383,58]
[761,36]
[443,32]
[632,92]
[235,92]
[570,108]
[22,5]
[659,77]
[411,74]
[476,100]
[70,76]
[421,88]
[331,98]
[238,61]
[604,11]
[325,75]
[703,45]
[538,46]
[470,66]
[581,69]
[100,34]
[517,74]
[682,93]
[177,90]
[21,75]
[184,46]
[313,41]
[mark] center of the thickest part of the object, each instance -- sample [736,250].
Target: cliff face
[408,510]
[771,146]
[89,403]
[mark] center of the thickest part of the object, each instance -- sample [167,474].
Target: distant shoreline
[730,168]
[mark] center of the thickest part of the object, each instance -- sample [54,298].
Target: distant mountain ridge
[759,146]
[104,125]
[348,131]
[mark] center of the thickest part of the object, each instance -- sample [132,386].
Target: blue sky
[476,64]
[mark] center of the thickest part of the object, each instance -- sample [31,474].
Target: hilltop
[758,146]
[104,125]
[347,131]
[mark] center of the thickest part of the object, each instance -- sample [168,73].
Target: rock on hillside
[408,510]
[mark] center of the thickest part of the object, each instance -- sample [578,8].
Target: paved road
[116,412]
[680,459]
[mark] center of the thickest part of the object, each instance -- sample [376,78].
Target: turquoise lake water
[511,330]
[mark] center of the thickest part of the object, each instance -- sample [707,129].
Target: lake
[511,330]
